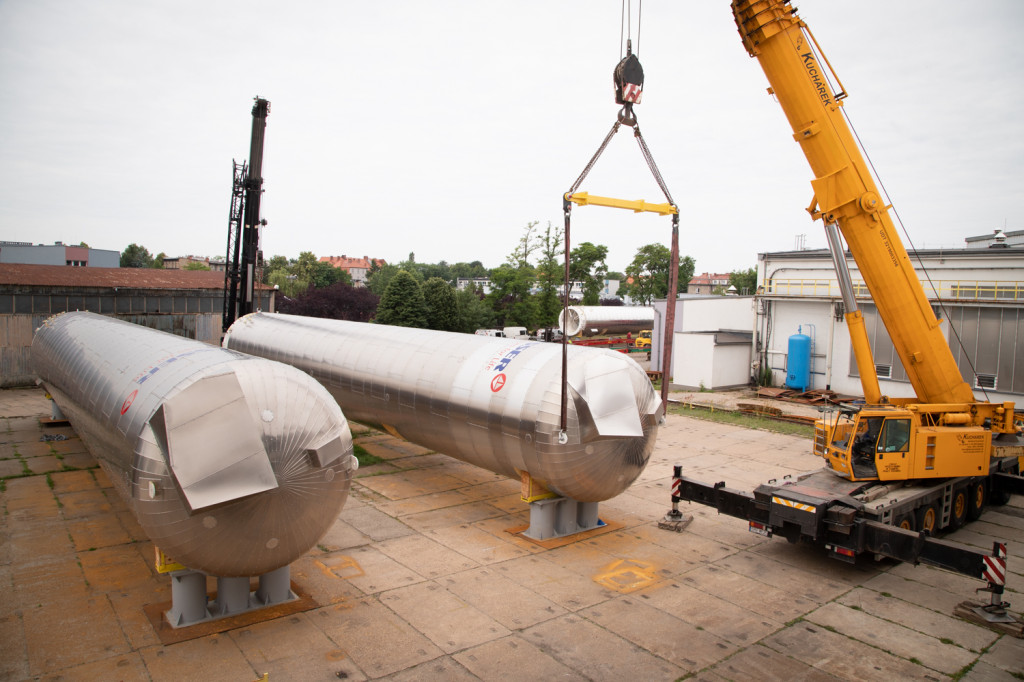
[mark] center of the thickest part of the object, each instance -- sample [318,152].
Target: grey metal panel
[492,402]
[989,330]
[589,320]
[117,381]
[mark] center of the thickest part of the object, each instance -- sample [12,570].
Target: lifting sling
[628,78]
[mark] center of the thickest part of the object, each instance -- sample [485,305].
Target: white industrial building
[976,292]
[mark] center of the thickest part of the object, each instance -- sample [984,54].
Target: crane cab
[895,444]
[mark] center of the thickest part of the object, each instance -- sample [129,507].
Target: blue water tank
[798,362]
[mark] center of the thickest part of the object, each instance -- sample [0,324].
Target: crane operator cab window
[895,436]
[865,441]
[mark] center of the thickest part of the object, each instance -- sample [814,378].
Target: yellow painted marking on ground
[344,567]
[627,575]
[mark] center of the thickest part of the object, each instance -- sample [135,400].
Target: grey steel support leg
[188,598]
[190,604]
[560,516]
[275,588]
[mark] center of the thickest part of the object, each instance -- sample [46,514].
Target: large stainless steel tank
[590,320]
[233,465]
[492,402]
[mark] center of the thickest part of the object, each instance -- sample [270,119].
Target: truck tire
[906,522]
[928,519]
[977,496]
[958,509]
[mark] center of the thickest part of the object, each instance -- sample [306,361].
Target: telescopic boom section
[845,193]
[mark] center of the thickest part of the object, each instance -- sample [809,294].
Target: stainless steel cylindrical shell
[492,402]
[591,320]
[233,465]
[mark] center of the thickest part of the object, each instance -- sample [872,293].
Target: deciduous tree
[442,310]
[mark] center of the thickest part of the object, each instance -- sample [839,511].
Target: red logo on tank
[128,401]
[497,382]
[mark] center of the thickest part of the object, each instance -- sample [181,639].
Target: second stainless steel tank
[488,401]
[591,320]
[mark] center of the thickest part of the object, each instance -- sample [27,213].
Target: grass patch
[49,481]
[364,457]
[749,421]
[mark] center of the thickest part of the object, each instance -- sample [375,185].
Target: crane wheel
[976,499]
[928,519]
[958,509]
[906,522]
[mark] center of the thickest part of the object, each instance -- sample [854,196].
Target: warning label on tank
[497,382]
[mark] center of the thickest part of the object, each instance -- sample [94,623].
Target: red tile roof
[132,278]
[345,262]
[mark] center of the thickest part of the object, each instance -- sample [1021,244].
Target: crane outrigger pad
[635,205]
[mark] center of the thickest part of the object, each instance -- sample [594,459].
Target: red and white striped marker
[994,570]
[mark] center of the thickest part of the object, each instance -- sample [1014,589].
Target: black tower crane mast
[244,223]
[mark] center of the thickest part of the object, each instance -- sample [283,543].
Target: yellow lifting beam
[635,205]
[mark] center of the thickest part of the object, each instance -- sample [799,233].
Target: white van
[489,332]
[516,333]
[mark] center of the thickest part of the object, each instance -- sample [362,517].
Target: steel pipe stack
[491,402]
[233,465]
[595,320]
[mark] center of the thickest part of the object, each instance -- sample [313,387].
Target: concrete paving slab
[375,524]
[371,570]
[342,535]
[64,632]
[843,657]
[10,468]
[946,628]
[764,664]
[892,637]
[916,592]
[712,613]
[678,642]
[501,598]
[554,582]
[513,658]
[1007,654]
[451,516]
[125,667]
[797,582]
[983,672]
[478,544]
[377,640]
[89,534]
[448,621]
[597,653]
[403,484]
[208,658]
[752,595]
[428,558]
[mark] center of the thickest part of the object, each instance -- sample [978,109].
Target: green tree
[158,260]
[550,273]
[378,278]
[195,265]
[510,297]
[649,271]
[323,275]
[468,270]
[745,281]
[402,304]
[275,263]
[586,264]
[473,312]
[615,274]
[136,256]
[442,308]
[287,283]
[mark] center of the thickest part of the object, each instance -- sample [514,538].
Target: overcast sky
[443,128]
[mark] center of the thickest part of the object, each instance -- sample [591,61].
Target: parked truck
[897,470]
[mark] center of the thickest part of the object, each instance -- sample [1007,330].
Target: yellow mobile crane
[897,469]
